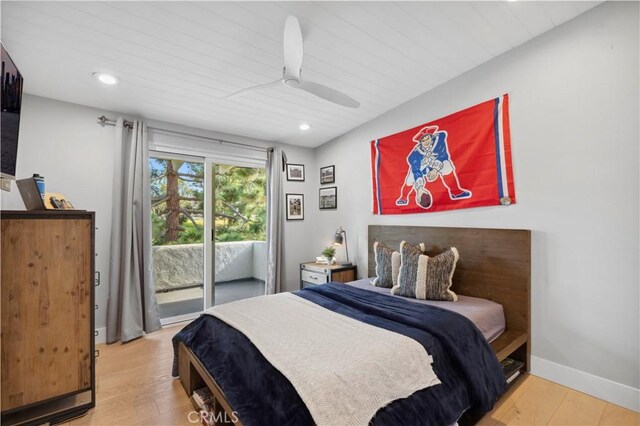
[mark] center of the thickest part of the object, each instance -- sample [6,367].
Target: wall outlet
[5,184]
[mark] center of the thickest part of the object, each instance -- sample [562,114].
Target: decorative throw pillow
[435,276]
[407,278]
[387,265]
[424,277]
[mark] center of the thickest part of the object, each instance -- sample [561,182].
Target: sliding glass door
[209,232]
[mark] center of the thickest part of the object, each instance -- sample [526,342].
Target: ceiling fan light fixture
[304,126]
[291,82]
[292,71]
[106,78]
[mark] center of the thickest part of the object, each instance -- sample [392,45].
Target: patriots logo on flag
[459,161]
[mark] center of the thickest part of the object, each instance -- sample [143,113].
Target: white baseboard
[610,391]
[102,335]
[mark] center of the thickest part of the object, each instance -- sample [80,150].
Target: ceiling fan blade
[253,89]
[329,94]
[293,50]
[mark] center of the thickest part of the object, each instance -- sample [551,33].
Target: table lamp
[338,240]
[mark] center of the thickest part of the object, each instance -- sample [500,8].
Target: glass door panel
[177,221]
[239,232]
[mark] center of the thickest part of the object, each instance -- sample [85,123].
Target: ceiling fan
[292,71]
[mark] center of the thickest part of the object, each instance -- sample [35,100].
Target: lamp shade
[341,237]
[337,239]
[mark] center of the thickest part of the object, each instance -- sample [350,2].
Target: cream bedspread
[343,369]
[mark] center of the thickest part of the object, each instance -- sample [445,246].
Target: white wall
[298,234]
[63,142]
[574,127]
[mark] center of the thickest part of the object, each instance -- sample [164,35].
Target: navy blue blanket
[464,362]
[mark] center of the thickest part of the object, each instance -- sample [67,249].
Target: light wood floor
[135,387]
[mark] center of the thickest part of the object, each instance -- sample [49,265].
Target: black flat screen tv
[11,105]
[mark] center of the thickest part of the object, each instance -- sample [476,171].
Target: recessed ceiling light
[305,126]
[106,78]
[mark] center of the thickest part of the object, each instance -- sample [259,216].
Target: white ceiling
[177,60]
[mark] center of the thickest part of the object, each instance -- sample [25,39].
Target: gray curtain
[276,159]
[132,308]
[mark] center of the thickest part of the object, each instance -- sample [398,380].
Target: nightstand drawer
[314,277]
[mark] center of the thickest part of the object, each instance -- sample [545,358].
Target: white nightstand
[312,273]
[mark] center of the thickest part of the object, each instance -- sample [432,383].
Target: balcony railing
[180,266]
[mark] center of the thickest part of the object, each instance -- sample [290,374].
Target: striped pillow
[435,277]
[424,277]
[387,265]
[406,283]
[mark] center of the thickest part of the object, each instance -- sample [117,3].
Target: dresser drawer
[314,277]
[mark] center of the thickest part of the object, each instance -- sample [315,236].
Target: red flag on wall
[459,161]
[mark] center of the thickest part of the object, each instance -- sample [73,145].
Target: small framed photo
[295,172]
[295,207]
[329,198]
[327,174]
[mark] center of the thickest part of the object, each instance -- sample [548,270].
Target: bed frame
[494,264]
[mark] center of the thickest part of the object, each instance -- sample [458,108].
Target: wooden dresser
[48,367]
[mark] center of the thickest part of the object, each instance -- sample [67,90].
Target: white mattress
[488,316]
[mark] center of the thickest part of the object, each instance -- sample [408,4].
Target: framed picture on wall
[295,207]
[327,174]
[295,172]
[329,198]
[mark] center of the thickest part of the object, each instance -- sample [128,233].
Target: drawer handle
[97,353]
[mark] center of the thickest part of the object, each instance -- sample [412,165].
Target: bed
[494,266]
[485,314]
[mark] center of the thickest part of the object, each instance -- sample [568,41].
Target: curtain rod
[104,121]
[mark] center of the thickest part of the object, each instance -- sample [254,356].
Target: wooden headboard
[494,264]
